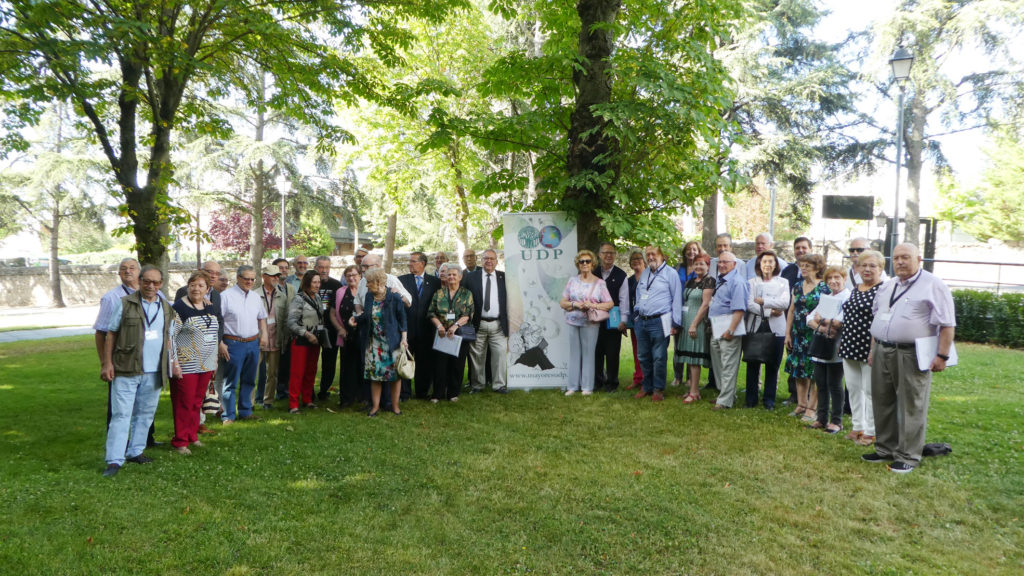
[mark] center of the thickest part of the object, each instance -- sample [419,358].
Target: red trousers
[302,374]
[187,395]
[638,375]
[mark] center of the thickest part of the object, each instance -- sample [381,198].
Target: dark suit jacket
[475,282]
[791,273]
[419,324]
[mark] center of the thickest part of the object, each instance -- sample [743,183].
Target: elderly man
[275,296]
[762,242]
[245,333]
[914,305]
[128,272]
[300,264]
[726,314]
[421,287]
[723,243]
[857,247]
[213,269]
[658,315]
[490,318]
[469,257]
[609,340]
[328,356]
[370,262]
[440,257]
[137,356]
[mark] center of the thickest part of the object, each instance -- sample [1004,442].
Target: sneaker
[658,396]
[294,411]
[111,470]
[310,406]
[140,459]
[570,392]
[901,468]
[433,400]
[453,399]
[875,458]
[183,450]
[197,443]
[587,392]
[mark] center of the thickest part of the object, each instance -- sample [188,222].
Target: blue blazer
[393,316]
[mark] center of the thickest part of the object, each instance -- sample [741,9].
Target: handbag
[822,346]
[405,364]
[468,333]
[211,404]
[595,315]
[759,346]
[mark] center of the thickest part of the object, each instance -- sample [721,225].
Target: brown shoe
[719,407]
[204,430]
[658,396]
[633,386]
[854,435]
[865,440]
[640,394]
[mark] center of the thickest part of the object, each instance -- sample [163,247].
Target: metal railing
[998,277]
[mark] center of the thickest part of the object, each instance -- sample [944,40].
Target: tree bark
[259,177]
[389,242]
[592,153]
[56,295]
[461,202]
[913,139]
[709,213]
[199,241]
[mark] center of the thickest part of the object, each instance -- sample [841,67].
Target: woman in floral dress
[799,365]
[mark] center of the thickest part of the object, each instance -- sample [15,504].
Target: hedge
[990,318]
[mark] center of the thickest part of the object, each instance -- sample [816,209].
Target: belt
[488,319]
[898,345]
[239,339]
[652,317]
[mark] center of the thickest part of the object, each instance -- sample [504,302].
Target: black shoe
[502,390]
[901,468]
[372,414]
[140,459]
[876,458]
[112,470]
[322,396]
[346,404]
[475,390]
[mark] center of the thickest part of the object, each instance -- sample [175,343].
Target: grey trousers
[488,337]
[725,359]
[582,348]
[899,394]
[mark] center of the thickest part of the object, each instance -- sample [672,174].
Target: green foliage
[992,209]
[312,240]
[990,318]
[526,483]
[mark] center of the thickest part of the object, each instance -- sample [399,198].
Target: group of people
[721,311]
[262,340]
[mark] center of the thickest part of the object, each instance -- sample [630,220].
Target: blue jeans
[240,376]
[133,401]
[652,350]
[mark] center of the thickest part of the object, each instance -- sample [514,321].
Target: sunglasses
[586,262]
[857,250]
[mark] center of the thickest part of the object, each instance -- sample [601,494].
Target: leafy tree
[231,229]
[314,240]
[126,64]
[936,31]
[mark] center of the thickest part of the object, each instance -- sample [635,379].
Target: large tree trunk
[389,242]
[914,141]
[199,241]
[461,202]
[591,153]
[259,177]
[56,296]
[709,215]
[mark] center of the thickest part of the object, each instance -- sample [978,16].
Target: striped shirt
[195,337]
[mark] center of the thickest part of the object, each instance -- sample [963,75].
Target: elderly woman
[690,253]
[637,265]
[856,344]
[305,321]
[450,310]
[828,372]
[584,292]
[350,377]
[692,346]
[382,334]
[195,341]
[806,293]
[768,302]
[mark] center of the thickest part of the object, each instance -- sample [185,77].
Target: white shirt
[392,283]
[623,293]
[492,312]
[242,312]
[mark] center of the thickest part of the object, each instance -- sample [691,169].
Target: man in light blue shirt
[726,314]
[657,315]
[761,243]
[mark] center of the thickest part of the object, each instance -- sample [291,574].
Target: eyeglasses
[247,279]
[586,262]
[152,282]
[857,250]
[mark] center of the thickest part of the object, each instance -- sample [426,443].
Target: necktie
[487,295]
[419,284]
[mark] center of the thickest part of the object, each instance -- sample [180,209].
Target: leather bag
[760,346]
[595,315]
[822,346]
[405,364]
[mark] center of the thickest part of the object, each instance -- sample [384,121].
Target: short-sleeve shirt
[242,312]
[154,320]
[917,308]
[460,303]
[577,290]
[107,303]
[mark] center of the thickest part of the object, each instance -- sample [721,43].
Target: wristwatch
[944,357]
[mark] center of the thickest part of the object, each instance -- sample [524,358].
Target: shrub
[989,318]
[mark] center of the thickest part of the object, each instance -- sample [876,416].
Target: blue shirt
[660,292]
[111,299]
[730,295]
[154,312]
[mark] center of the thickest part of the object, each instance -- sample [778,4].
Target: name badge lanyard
[270,302]
[145,315]
[893,298]
[448,296]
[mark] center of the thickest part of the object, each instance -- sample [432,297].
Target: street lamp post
[901,62]
[282,187]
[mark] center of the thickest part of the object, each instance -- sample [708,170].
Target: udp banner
[539,252]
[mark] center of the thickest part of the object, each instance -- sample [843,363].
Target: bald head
[370,261]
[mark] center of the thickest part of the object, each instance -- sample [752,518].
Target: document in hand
[719,324]
[828,307]
[449,345]
[928,348]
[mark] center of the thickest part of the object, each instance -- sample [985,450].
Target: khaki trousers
[899,394]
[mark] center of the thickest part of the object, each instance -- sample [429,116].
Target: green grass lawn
[525,483]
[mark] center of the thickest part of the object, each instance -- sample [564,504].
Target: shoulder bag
[405,364]
[759,346]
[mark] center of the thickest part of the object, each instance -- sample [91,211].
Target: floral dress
[380,364]
[799,363]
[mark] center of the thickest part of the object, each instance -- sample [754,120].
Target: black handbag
[468,333]
[822,346]
[760,346]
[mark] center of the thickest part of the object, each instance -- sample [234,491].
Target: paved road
[70,321]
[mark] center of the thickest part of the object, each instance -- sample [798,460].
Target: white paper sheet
[666,324]
[829,307]
[927,348]
[448,345]
[719,324]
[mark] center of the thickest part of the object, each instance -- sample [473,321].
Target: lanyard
[125,288]
[448,297]
[653,275]
[145,314]
[894,297]
[270,301]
